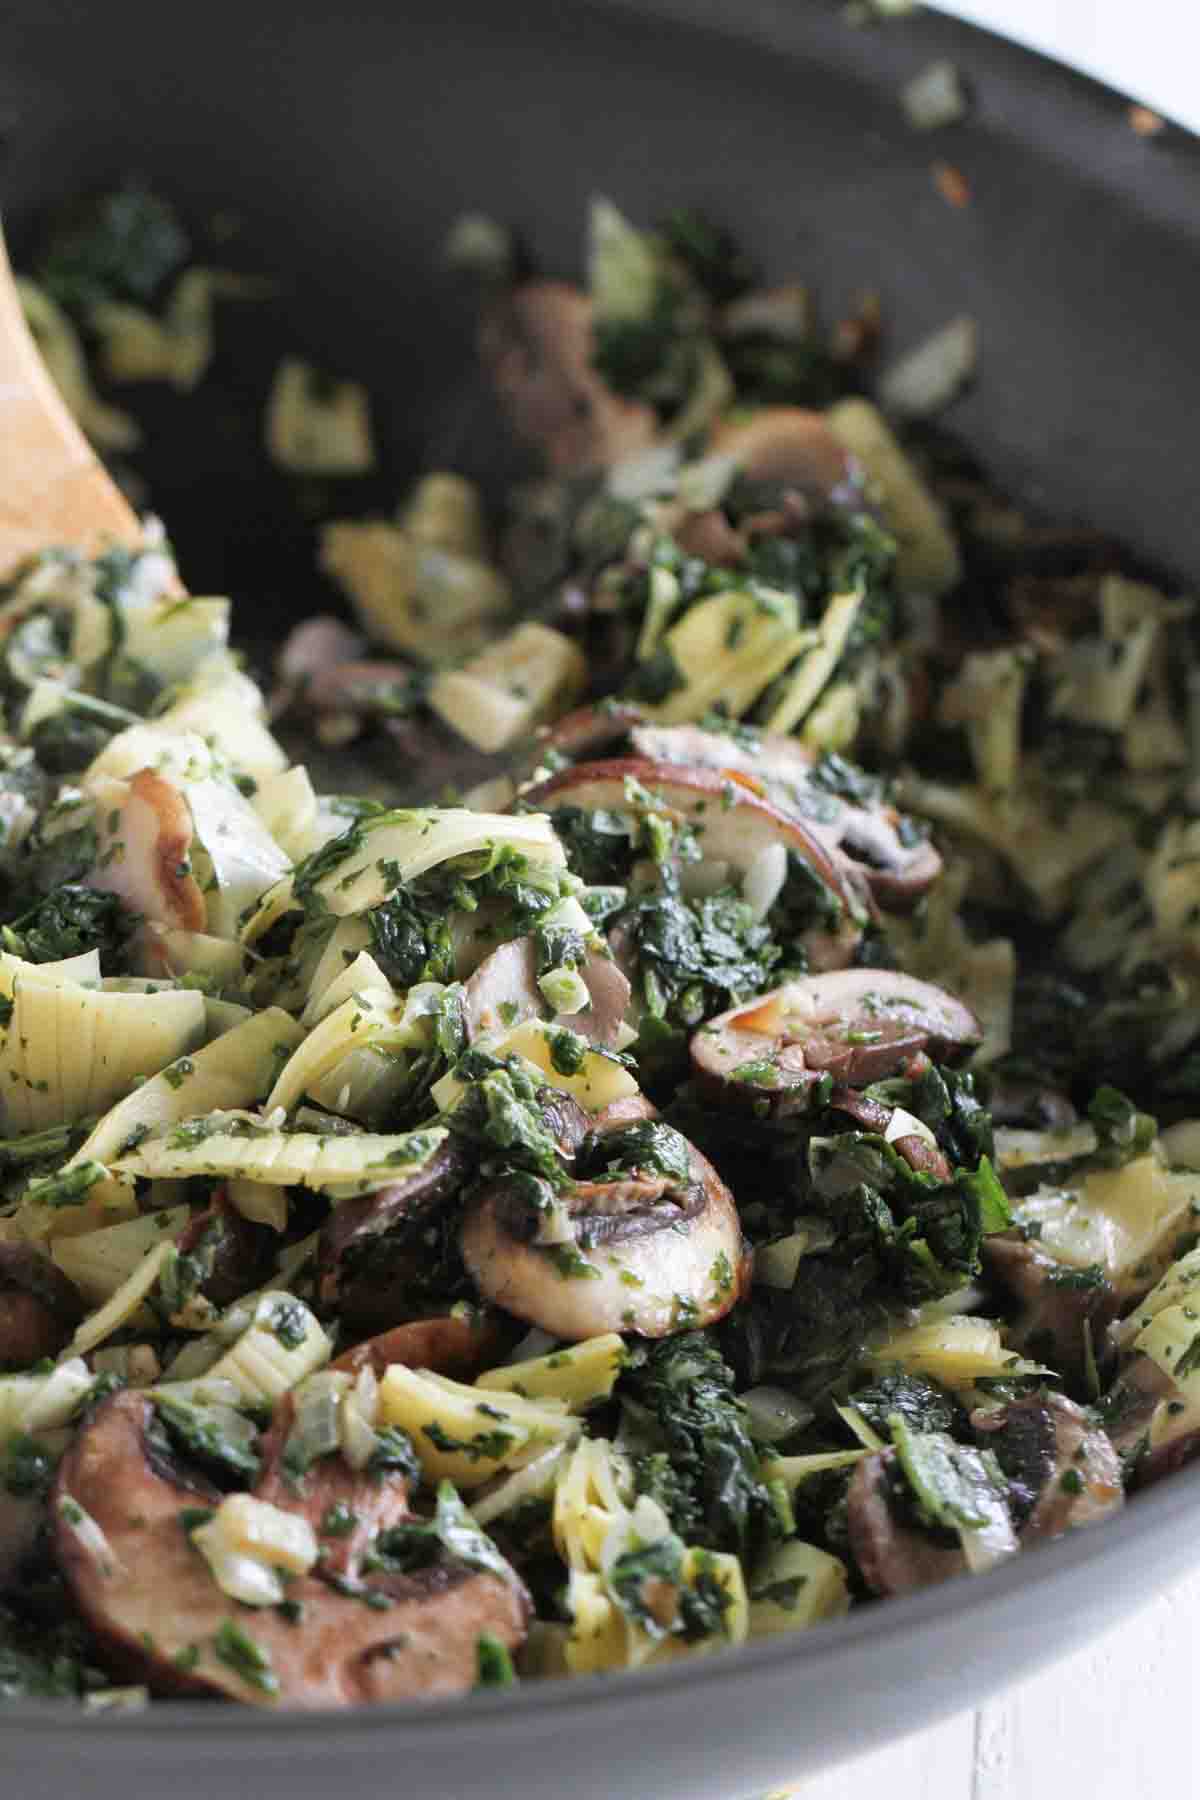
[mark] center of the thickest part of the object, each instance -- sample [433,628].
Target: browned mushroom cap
[504,992]
[449,1345]
[789,446]
[39,1307]
[1062,1469]
[893,1558]
[536,345]
[152,1602]
[1055,1304]
[234,1255]
[857,1025]
[636,1252]
[896,865]
[734,823]
[711,536]
[372,1299]
[151,870]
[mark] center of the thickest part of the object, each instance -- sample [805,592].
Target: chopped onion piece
[930,376]
[934,97]
[773,1414]
[765,879]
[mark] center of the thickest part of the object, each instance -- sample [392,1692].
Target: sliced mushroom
[371,1298]
[39,1307]
[315,645]
[536,345]
[504,992]
[233,1254]
[734,823]
[633,1252]
[565,1120]
[896,864]
[448,1344]
[710,535]
[144,841]
[856,1025]
[1059,1306]
[152,1602]
[893,1557]
[1061,1468]
[788,446]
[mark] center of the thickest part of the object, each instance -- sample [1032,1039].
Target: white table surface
[1105,1724]
[1111,1721]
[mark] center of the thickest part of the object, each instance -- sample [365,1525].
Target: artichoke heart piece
[243,858]
[464,1434]
[221,1147]
[361,975]
[282,1344]
[928,559]
[416,597]
[226,709]
[364,1020]
[954,1350]
[1125,1222]
[233,1071]
[316,425]
[68,1051]
[727,650]
[393,848]
[580,1374]
[798,1585]
[1046,853]
[1169,1339]
[822,651]
[500,695]
[174,636]
[125,1306]
[65,359]
[98,1262]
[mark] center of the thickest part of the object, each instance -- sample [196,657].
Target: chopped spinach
[684,1392]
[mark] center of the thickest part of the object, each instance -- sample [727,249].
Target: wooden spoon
[53,488]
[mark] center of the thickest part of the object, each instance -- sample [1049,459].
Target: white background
[1113,1722]
[1150,49]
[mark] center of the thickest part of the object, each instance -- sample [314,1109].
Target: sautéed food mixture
[737,1161]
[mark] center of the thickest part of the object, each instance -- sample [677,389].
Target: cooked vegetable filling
[734,1164]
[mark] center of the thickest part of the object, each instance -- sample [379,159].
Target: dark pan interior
[346,138]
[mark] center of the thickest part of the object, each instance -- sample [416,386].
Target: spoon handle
[53,488]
